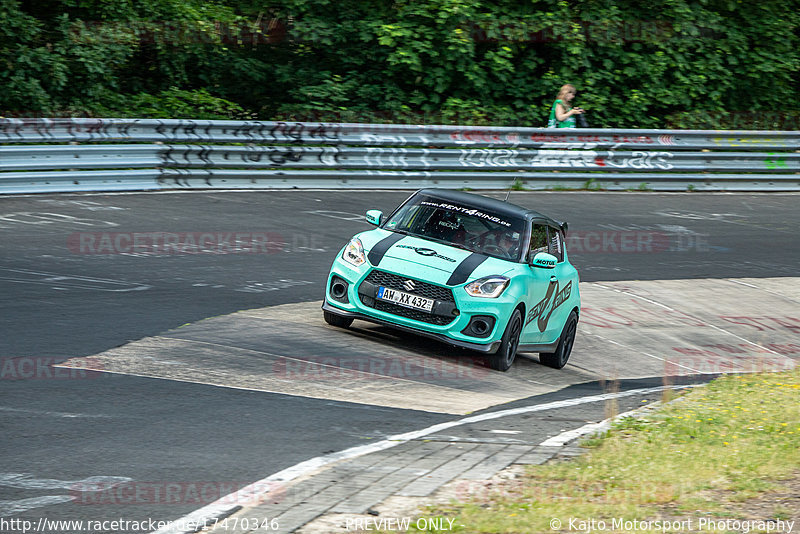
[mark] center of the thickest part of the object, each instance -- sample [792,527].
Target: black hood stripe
[376,254]
[465,268]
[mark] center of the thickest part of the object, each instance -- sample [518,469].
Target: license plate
[405,299]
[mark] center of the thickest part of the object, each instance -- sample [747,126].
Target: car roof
[491,204]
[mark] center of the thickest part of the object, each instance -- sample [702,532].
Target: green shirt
[555,123]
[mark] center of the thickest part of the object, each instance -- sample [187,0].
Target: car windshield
[461,226]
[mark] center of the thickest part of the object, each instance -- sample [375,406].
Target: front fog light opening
[480,326]
[338,290]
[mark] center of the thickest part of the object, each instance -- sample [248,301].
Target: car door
[541,286]
[564,277]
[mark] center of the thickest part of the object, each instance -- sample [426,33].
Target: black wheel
[558,359]
[336,320]
[504,357]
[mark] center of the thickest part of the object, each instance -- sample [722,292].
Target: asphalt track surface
[61,299]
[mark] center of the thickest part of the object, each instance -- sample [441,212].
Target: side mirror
[374,217]
[544,260]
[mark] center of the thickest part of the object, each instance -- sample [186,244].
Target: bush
[676,63]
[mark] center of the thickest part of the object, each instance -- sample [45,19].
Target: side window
[555,244]
[538,240]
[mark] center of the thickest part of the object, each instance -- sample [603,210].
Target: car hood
[430,260]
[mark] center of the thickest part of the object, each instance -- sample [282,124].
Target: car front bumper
[360,292]
[489,348]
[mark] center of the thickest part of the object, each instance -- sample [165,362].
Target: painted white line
[565,437]
[742,283]
[506,431]
[781,295]
[343,215]
[251,492]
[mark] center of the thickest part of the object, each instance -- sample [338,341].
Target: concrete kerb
[315,467]
[562,447]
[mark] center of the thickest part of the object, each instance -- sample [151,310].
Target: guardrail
[42,155]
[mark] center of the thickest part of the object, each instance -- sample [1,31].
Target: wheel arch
[521,308]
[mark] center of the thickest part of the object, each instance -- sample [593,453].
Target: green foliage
[592,185]
[174,104]
[669,64]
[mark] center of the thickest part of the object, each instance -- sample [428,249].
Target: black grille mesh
[402,311]
[423,289]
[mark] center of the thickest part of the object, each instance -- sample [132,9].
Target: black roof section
[490,204]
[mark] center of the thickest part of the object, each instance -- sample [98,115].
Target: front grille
[402,311]
[443,312]
[423,289]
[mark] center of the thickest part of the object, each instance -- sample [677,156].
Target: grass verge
[727,451]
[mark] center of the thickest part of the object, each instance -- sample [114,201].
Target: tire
[336,320]
[504,357]
[558,359]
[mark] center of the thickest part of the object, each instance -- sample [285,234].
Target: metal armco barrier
[47,155]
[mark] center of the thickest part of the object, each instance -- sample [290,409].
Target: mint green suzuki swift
[464,269]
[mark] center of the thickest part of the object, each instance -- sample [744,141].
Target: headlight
[489,287]
[354,253]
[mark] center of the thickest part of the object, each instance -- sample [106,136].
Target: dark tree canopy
[660,64]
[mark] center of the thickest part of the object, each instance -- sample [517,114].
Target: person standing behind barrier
[562,114]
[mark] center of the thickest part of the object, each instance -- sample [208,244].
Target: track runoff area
[677,288]
[672,286]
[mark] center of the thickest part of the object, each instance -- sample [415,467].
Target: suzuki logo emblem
[409,285]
